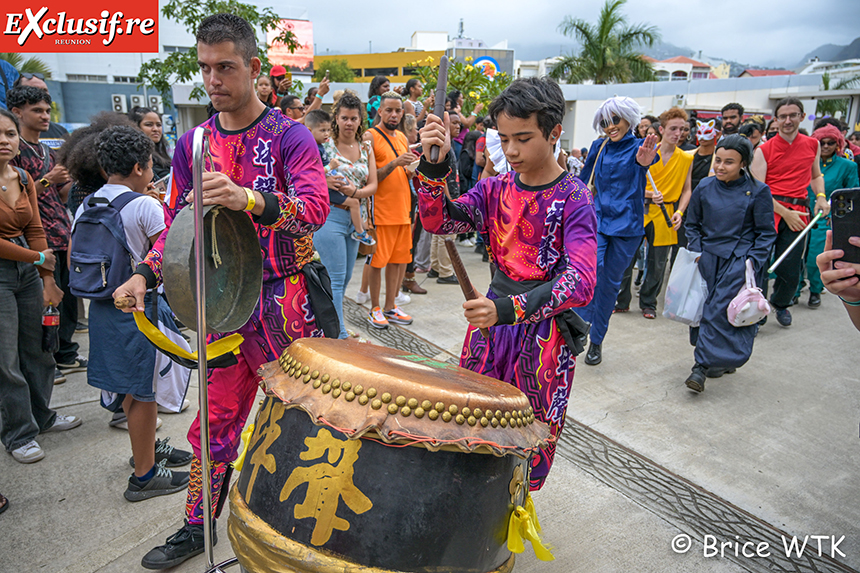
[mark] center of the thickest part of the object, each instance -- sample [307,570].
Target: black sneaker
[594,355]
[452,280]
[172,457]
[783,317]
[431,274]
[164,482]
[59,377]
[181,546]
[814,300]
[718,372]
[79,364]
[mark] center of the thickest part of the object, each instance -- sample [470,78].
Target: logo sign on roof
[489,66]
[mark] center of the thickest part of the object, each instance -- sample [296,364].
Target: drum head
[234,268]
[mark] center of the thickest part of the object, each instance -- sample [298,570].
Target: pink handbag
[749,306]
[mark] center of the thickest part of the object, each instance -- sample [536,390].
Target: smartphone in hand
[845,220]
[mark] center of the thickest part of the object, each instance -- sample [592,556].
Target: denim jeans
[26,373]
[338,251]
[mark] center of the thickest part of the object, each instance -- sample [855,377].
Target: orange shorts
[393,245]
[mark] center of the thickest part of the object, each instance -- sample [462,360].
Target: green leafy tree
[609,49]
[181,67]
[463,76]
[339,71]
[31,65]
[831,107]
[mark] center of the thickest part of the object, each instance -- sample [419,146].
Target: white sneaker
[28,453]
[402,298]
[163,410]
[63,423]
[362,297]
[467,243]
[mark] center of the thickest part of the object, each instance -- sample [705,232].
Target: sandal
[617,310]
[4,503]
[649,313]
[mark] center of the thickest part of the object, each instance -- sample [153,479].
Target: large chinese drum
[366,459]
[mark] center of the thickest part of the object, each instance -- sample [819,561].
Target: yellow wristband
[817,195]
[251,200]
[681,212]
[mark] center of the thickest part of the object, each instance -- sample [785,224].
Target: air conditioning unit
[137,100]
[156,103]
[679,100]
[118,103]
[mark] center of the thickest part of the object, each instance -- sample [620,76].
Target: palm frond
[32,65]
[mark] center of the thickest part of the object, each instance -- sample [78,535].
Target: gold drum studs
[347,386]
[326,388]
[317,383]
[485,422]
[371,392]
[426,404]
[419,412]
[460,419]
[392,408]
[386,398]
[453,409]
[336,392]
[305,370]
[440,407]
[446,416]
[412,403]
[358,390]
[335,383]
[350,396]
[376,404]
[406,410]
[315,374]
[363,400]
[466,412]
[325,378]
[472,420]
[432,414]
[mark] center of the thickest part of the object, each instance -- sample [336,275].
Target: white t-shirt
[141,218]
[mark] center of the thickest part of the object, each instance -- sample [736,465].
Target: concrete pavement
[770,450]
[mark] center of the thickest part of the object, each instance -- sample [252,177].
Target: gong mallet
[661,205]
[795,242]
[439,105]
[463,277]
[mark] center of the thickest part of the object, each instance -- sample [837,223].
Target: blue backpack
[101,260]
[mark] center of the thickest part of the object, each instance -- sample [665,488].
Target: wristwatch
[44,182]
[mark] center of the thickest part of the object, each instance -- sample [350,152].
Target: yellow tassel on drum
[246,439]
[524,525]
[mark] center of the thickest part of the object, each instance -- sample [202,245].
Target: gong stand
[200,151]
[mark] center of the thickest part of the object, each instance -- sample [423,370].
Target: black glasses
[827,142]
[296,107]
[615,121]
[29,76]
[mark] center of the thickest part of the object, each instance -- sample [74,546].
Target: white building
[680,68]
[534,68]
[844,69]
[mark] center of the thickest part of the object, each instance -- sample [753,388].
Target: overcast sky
[763,32]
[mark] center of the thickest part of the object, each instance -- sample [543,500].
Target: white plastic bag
[686,291]
[749,306]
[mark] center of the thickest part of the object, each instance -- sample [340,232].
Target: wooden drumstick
[463,277]
[124,302]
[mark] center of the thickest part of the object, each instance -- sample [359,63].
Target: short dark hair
[747,129]
[317,117]
[651,118]
[347,101]
[120,148]
[531,96]
[220,28]
[822,121]
[79,154]
[11,117]
[375,83]
[787,101]
[26,95]
[735,106]
[287,102]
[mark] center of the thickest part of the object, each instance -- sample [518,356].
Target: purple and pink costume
[547,234]
[279,158]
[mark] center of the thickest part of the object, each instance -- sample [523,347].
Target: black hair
[853,134]
[787,101]
[11,117]
[735,106]
[739,143]
[747,129]
[79,155]
[317,117]
[160,155]
[26,95]
[347,101]
[220,28]
[822,121]
[531,96]
[651,118]
[769,124]
[488,122]
[287,102]
[411,84]
[454,95]
[120,148]
[375,84]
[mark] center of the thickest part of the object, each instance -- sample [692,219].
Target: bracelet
[474,114]
[817,195]
[849,303]
[252,201]
[318,95]
[354,192]
[41,260]
[681,212]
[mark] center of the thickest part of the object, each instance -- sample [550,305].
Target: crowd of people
[559,230]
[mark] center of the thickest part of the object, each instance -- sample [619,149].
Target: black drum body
[323,502]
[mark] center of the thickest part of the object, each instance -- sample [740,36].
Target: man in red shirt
[788,164]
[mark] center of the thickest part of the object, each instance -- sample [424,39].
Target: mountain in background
[833,53]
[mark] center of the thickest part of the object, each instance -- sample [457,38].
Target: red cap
[278,71]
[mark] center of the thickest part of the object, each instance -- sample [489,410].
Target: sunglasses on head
[606,123]
[29,76]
